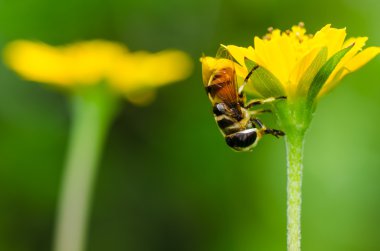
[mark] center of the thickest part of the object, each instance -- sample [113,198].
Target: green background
[167,180]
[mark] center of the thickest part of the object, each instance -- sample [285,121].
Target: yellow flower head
[293,59]
[90,62]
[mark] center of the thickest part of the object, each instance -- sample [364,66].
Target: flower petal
[91,61]
[331,37]
[143,70]
[355,47]
[352,65]
[323,74]
[37,62]
[308,68]
[362,58]
[276,55]
[240,53]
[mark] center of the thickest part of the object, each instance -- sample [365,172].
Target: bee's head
[244,140]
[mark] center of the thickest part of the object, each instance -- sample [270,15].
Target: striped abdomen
[229,119]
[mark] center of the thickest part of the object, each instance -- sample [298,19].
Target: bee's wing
[222,85]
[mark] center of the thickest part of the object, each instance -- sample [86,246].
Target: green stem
[93,110]
[294,117]
[294,149]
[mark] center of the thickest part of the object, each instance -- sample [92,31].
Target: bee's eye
[219,109]
[243,140]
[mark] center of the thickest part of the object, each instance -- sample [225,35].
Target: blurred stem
[294,150]
[93,109]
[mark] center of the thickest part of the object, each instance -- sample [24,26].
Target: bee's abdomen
[227,124]
[226,118]
[224,121]
[243,140]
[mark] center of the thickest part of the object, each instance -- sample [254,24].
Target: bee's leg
[255,102]
[258,123]
[241,88]
[259,111]
[274,132]
[261,127]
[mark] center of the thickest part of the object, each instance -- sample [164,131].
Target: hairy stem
[294,150]
[92,112]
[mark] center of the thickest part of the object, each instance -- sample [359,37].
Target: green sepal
[323,74]
[249,63]
[311,72]
[263,81]
[335,80]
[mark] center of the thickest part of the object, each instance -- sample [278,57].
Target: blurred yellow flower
[145,70]
[89,62]
[294,57]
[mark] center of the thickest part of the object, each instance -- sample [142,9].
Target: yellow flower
[300,66]
[90,62]
[293,58]
[295,64]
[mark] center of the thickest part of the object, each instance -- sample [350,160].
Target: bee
[239,124]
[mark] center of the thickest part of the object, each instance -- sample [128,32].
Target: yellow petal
[143,70]
[333,79]
[240,53]
[91,61]
[300,70]
[276,55]
[37,62]
[349,42]
[259,53]
[165,67]
[352,65]
[78,63]
[331,37]
[362,58]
